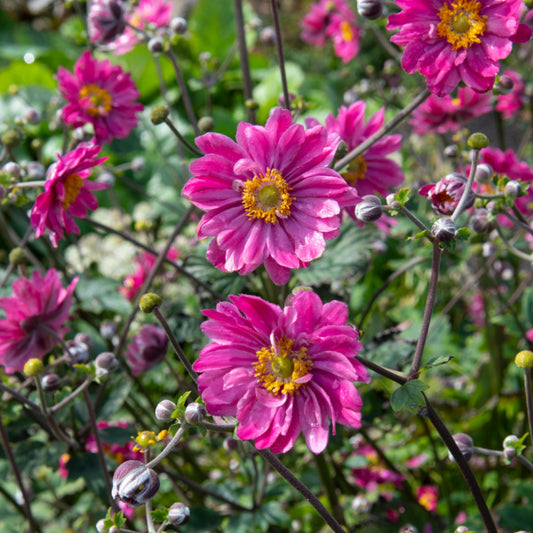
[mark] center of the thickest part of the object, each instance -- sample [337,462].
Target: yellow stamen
[100,100]
[461,23]
[456,102]
[267,197]
[73,184]
[278,367]
[346,31]
[356,170]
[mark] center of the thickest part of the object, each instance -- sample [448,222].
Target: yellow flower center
[356,170]
[456,102]
[100,100]
[346,31]
[461,24]
[267,197]
[278,367]
[73,184]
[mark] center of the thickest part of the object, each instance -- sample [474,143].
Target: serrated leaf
[409,396]
[463,234]
[437,361]
[159,515]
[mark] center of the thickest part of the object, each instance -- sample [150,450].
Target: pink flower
[35,317]
[446,193]
[345,36]
[428,496]
[446,114]
[509,104]
[316,22]
[119,452]
[449,41]
[100,94]
[375,474]
[67,193]
[281,371]
[147,14]
[106,20]
[270,197]
[147,349]
[145,263]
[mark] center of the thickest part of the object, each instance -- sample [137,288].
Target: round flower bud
[107,178]
[509,452]
[369,210]
[360,504]
[206,124]
[461,529]
[78,353]
[158,114]
[178,25]
[100,526]
[12,169]
[370,9]
[268,36]
[18,256]
[138,164]
[230,444]
[164,410]
[524,359]
[108,329]
[84,337]
[477,141]
[149,302]
[34,170]
[195,413]
[509,440]
[451,151]
[178,514]
[250,103]
[342,150]
[50,382]
[11,139]
[134,483]
[465,444]
[105,363]
[32,116]
[155,45]
[444,230]
[33,367]
[504,85]
[512,189]
[408,528]
[480,220]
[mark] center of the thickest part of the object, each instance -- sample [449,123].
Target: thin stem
[23,184]
[21,398]
[463,465]
[243,54]
[402,115]
[170,446]
[428,311]
[529,399]
[149,520]
[413,218]
[281,58]
[511,247]
[467,192]
[33,528]
[182,139]
[329,486]
[382,371]
[71,396]
[302,489]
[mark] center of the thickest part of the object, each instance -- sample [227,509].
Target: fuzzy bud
[32,116]
[149,302]
[158,114]
[461,529]
[164,410]
[451,151]
[480,220]
[477,141]
[524,359]
[509,441]
[108,329]
[18,256]
[509,452]
[369,210]
[84,337]
[206,124]
[78,353]
[465,444]
[11,139]
[105,363]
[134,483]
[12,169]
[512,189]
[33,367]
[178,514]
[370,9]
[50,382]
[230,444]
[138,164]
[252,104]
[155,45]
[100,526]
[504,85]
[342,150]
[444,230]
[195,413]
[107,178]
[178,25]
[408,528]
[267,36]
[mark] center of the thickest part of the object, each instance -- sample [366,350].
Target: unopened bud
[480,220]
[78,353]
[524,359]
[250,103]
[32,116]
[11,139]
[33,367]
[195,413]
[512,189]
[444,230]
[155,45]
[84,337]
[408,528]
[105,363]
[164,410]
[206,124]
[108,329]
[342,150]
[509,441]
[504,85]
[134,483]
[100,526]
[159,114]
[465,444]
[268,36]
[138,164]
[107,178]
[12,169]
[369,210]
[370,9]
[451,151]
[18,256]
[178,25]
[230,444]
[149,302]
[461,529]
[509,452]
[50,382]
[483,173]
[178,514]
[477,141]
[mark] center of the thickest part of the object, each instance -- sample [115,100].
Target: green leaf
[21,73]
[99,295]
[437,361]
[409,396]
[159,515]
[463,234]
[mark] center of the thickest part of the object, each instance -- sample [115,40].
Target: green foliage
[409,396]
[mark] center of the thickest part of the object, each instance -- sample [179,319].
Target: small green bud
[524,359]
[11,138]
[206,124]
[18,256]
[149,302]
[33,367]
[159,114]
[251,104]
[477,141]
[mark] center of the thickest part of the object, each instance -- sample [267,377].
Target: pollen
[346,31]
[73,184]
[461,24]
[356,170]
[280,368]
[99,101]
[267,197]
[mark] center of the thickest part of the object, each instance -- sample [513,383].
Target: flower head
[446,193]
[106,20]
[509,104]
[100,94]
[345,36]
[147,349]
[67,193]
[449,41]
[35,317]
[375,475]
[428,496]
[281,371]
[270,197]
[446,114]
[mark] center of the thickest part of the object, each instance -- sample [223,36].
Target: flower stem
[302,489]
[71,396]
[329,486]
[182,139]
[529,399]
[467,191]
[281,58]
[170,446]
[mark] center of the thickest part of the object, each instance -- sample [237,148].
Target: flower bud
[100,526]
[504,85]
[178,514]
[12,169]
[509,452]
[11,139]
[105,363]
[408,528]
[138,164]
[164,410]
[108,329]
[50,382]
[18,256]
[444,230]
[134,483]
[480,220]
[461,529]
[84,337]
[267,36]
[33,367]
[107,178]
[369,210]
[524,359]
[206,124]
[78,353]
[32,116]
[509,441]
[370,9]
[155,45]
[465,444]
[149,302]
[178,25]
[512,189]
[195,413]
[230,444]
[477,141]
[158,114]
[34,170]
[451,151]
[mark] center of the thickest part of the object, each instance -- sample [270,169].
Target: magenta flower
[345,36]
[446,194]
[316,22]
[281,371]
[106,20]
[100,94]
[270,197]
[446,114]
[509,104]
[147,349]
[428,496]
[449,41]
[375,475]
[67,193]
[35,317]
